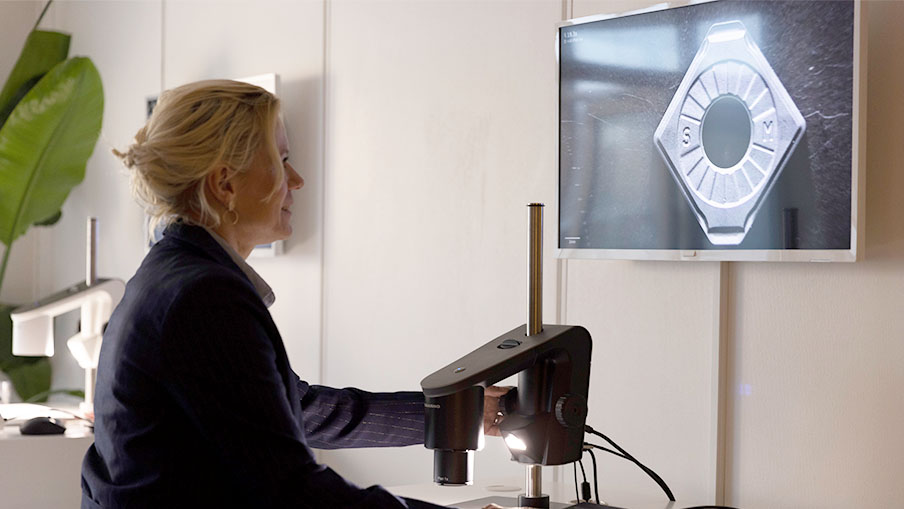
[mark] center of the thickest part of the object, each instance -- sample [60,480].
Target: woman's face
[262,220]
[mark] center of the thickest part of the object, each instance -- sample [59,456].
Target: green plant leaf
[50,221]
[42,51]
[6,338]
[31,379]
[7,359]
[45,144]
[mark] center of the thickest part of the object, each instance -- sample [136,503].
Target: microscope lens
[453,467]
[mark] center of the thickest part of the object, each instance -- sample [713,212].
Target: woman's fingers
[491,415]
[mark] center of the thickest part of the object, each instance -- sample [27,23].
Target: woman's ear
[220,186]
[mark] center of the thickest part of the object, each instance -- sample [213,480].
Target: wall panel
[441,129]
[651,381]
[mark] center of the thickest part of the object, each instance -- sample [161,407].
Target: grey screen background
[617,78]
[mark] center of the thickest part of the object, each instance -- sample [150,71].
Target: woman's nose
[295,180]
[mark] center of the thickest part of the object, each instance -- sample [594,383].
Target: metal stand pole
[90,280]
[535,270]
[91,252]
[533,493]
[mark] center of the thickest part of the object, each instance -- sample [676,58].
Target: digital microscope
[544,416]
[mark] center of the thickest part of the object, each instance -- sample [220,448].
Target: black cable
[585,486]
[596,484]
[606,449]
[628,456]
[634,460]
[577,496]
[620,455]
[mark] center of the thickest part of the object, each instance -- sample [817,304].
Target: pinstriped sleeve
[347,418]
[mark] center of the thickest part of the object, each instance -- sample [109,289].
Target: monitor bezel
[858,168]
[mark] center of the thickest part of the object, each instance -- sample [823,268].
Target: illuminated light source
[515,443]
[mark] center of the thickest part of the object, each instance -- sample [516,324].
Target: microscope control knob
[571,410]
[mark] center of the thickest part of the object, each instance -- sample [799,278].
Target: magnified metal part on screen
[728,132]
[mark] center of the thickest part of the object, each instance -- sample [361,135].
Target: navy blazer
[197,406]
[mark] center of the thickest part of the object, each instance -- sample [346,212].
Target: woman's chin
[285,232]
[281,234]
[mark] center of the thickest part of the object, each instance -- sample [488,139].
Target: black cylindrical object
[454,429]
[789,228]
[453,468]
[541,501]
[534,385]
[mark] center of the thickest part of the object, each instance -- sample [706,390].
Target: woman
[196,403]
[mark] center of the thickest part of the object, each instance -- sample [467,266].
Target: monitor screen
[719,130]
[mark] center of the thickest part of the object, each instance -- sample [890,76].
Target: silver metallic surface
[90,383]
[91,254]
[725,196]
[534,481]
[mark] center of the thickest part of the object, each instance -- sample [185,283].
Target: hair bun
[127,158]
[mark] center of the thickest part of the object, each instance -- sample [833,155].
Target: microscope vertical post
[534,477]
[535,270]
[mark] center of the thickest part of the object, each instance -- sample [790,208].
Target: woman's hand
[491,415]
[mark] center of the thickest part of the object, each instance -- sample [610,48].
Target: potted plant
[51,108]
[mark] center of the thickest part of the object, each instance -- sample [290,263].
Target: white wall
[422,130]
[235,39]
[440,130]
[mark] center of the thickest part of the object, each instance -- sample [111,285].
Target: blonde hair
[195,129]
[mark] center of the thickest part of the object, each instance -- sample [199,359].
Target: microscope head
[454,430]
[544,417]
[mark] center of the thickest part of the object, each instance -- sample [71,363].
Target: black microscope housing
[544,417]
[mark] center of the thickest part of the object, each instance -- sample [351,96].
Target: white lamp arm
[33,323]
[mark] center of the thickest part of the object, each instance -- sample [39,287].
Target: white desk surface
[41,471]
[18,413]
[562,492]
